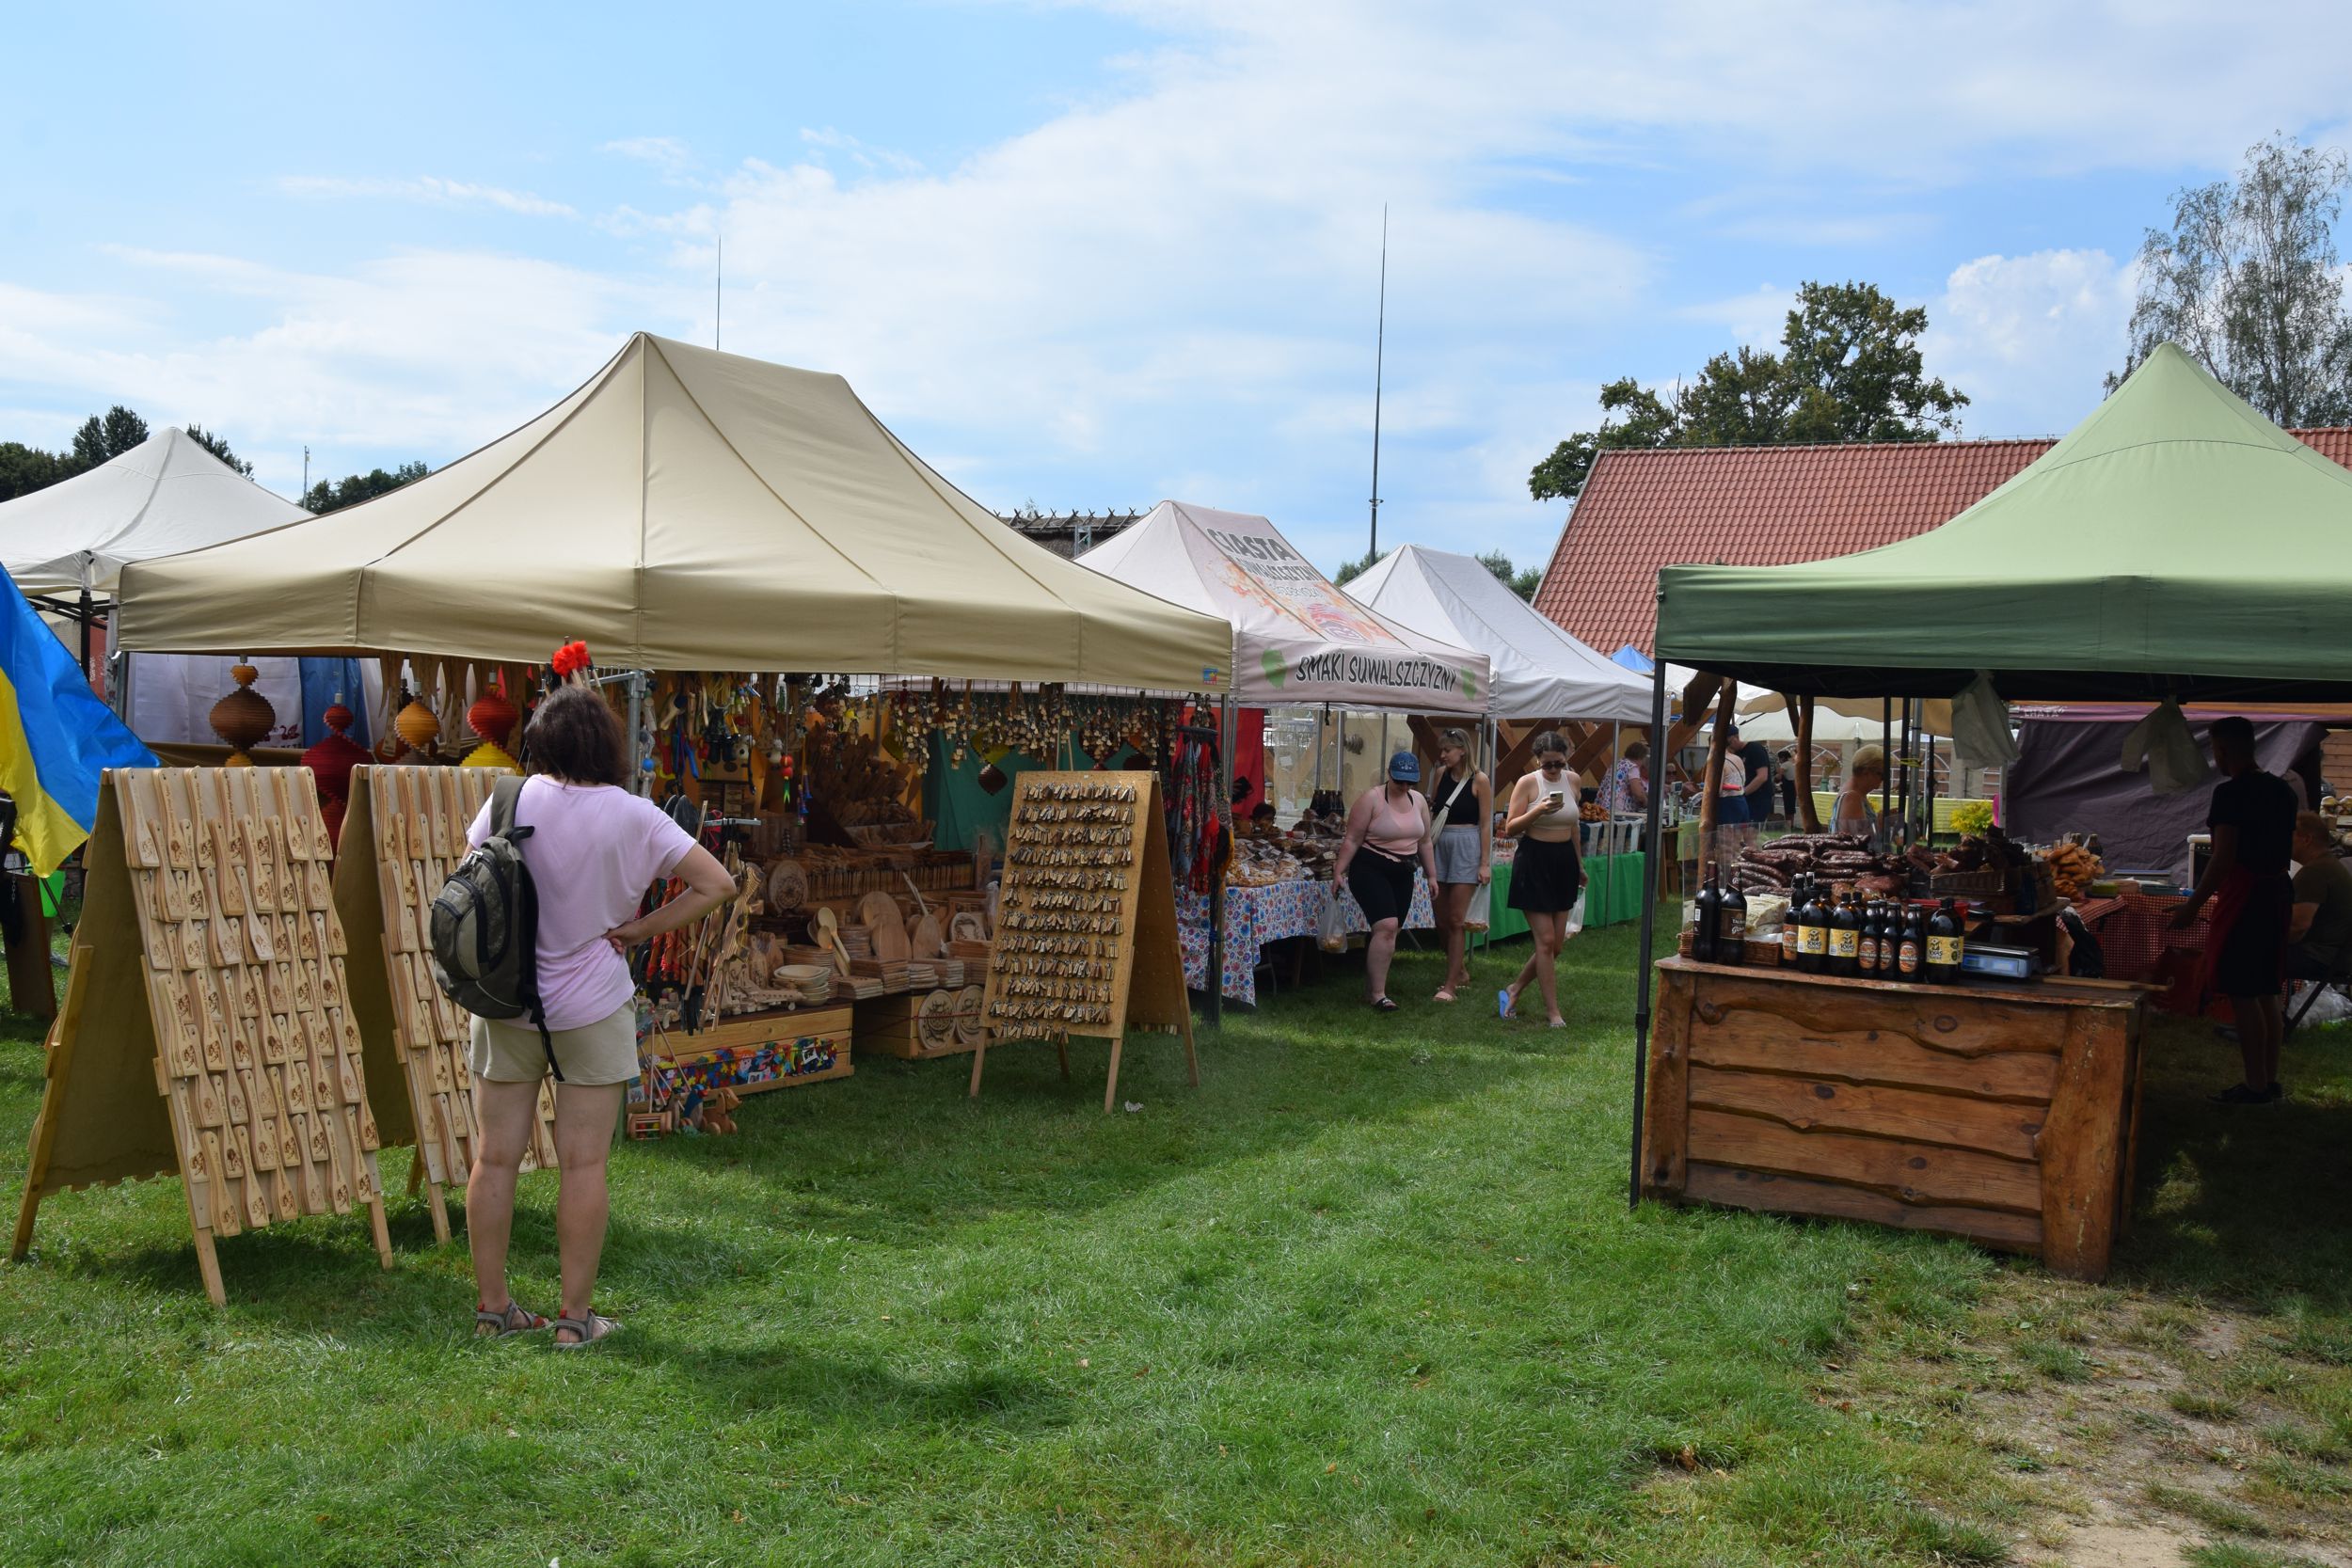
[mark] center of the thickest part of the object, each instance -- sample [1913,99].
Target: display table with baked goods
[2004,1113]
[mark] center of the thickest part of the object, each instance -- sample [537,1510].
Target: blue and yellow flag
[55,736]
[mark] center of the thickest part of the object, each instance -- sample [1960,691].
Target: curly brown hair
[574,735]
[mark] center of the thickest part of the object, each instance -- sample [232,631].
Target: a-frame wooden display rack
[1086,927]
[205,1027]
[403,830]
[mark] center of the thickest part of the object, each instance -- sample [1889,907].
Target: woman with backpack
[592,849]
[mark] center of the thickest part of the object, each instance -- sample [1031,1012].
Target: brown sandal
[590,1326]
[516,1319]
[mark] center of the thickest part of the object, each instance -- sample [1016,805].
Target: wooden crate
[765,1050]
[2007,1115]
[891,1025]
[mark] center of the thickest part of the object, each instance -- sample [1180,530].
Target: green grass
[1371,1294]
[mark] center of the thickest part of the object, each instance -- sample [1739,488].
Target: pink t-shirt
[593,850]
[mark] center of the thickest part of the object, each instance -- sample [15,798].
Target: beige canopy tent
[683,510]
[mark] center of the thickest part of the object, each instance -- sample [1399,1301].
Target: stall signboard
[1296,637]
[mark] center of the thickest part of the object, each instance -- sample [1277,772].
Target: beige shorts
[510,1051]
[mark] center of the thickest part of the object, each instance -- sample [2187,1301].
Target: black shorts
[1383,886]
[1544,876]
[2251,960]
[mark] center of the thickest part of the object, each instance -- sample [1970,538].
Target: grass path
[1370,1295]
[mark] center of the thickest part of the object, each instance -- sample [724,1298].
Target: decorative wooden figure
[407,830]
[1086,929]
[181,1044]
[243,718]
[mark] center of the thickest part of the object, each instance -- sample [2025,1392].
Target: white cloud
[2030,338]
[863,155]
[425,189]
[428,353]
[666,154]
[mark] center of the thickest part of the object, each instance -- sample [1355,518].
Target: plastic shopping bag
[1334,935]
[1576,913]
[1481,908]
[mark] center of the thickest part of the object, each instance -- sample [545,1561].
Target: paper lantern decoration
[417,726]
[243,717]
[492,719]
[330,763]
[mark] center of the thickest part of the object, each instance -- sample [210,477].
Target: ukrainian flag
[55,736]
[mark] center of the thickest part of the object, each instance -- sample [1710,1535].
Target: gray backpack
[485,926]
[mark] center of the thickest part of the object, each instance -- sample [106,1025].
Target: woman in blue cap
[1388,834]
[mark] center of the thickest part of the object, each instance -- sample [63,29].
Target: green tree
[1522,582]
[107,436]
[353,488]
[219,448]
[1849,368]
[1350,570]
[24,469]
[2248,283]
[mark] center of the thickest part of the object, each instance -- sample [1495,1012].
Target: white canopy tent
[165,496]
[1540,672]
[1296,638]
[68,545]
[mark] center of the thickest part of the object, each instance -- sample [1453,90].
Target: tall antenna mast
[719,290]
[1379,352]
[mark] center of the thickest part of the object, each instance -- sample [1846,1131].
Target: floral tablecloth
[1257,915]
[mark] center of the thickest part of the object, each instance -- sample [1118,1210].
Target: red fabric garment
[2230,901]
[1249,758]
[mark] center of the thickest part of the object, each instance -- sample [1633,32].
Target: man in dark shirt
[1757,759]
[2320,927]
[2252,823]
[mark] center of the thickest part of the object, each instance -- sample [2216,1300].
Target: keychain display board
[1086,926]
[403,833]
[206,1026]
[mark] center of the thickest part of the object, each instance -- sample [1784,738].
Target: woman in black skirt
[1548,872]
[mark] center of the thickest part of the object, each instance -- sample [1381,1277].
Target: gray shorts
[511,1051]
[1458,854]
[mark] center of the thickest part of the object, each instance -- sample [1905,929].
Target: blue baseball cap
[1404,767]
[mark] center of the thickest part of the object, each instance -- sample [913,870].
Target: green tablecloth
[1612,895]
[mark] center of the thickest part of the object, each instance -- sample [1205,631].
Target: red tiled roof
[1765,506]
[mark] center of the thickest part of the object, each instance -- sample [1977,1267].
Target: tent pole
[1224,737]
[90,612]
[1886,751]
[1927,778]
[1655,858]
[1910,822]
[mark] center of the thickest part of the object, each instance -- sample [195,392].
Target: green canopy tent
[2176,543]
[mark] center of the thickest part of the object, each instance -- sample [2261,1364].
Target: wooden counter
[2006,1114]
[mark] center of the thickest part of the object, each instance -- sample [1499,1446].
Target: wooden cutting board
[880,908]
[923,937]
[889,940]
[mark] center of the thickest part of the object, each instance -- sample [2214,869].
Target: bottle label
[1813,941]
[1844,943]
[1943,951]
[1870,953]
[1788,935]
[1909,957]
[1734,924]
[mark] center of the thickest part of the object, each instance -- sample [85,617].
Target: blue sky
[1092,255]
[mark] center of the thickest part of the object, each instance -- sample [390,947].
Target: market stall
[718,533]
[2175,545]
[1296,638]
[1542,678]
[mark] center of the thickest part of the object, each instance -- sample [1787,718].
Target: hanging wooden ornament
[330,763]
[492,719]
[243,717]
